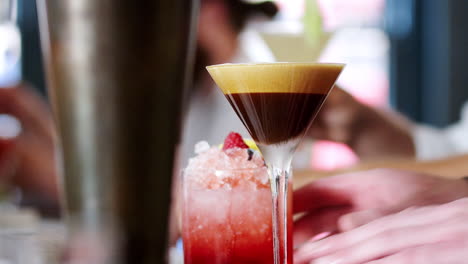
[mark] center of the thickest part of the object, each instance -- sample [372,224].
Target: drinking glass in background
[10,53]
[10,44]
[227,216]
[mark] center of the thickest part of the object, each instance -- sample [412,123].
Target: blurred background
[406,54]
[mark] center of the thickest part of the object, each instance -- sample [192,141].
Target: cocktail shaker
[116,72]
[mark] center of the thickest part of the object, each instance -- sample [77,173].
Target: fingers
[356,219]
[352,237]
[388,235]
[320,193]
[453,252]
[317,225]
[382,244]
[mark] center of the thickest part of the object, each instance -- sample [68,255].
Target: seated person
[374,133]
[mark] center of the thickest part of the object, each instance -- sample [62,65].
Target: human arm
[435,234]
[33,148]
[372,133]
[336,203]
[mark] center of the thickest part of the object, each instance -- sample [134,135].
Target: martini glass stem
[279,180]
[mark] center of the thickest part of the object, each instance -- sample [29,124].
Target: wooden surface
[302,177]
[452,167]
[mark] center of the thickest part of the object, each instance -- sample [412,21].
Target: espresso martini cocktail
[277,103]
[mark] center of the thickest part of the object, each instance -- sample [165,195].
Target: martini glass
[277,103]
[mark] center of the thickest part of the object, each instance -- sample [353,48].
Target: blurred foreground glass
[116,72]
[228,223]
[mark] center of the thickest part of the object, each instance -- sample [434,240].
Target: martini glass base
[278,158]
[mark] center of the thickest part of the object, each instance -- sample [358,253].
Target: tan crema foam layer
[275,77]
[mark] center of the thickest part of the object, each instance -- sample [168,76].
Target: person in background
[382,134]
[223,37]
[28,161]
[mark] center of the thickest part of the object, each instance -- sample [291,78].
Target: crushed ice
[214,168]
[201,147]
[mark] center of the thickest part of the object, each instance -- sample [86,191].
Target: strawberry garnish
[234,140]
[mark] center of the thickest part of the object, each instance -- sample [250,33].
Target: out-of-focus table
[27,239]
[451,167]
[302,177]
[51,236]
[52,233]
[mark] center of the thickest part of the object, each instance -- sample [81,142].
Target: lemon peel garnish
[249,142]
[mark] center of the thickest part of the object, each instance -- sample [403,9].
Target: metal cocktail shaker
[116,72]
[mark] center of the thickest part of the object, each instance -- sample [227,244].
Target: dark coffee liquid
[272,118]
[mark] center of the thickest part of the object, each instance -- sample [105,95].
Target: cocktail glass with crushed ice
[227,207]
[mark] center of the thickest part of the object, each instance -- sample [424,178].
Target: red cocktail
[227,209]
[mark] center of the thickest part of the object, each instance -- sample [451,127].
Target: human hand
[344,202]
[432,234]
[370,132]
[33,148]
